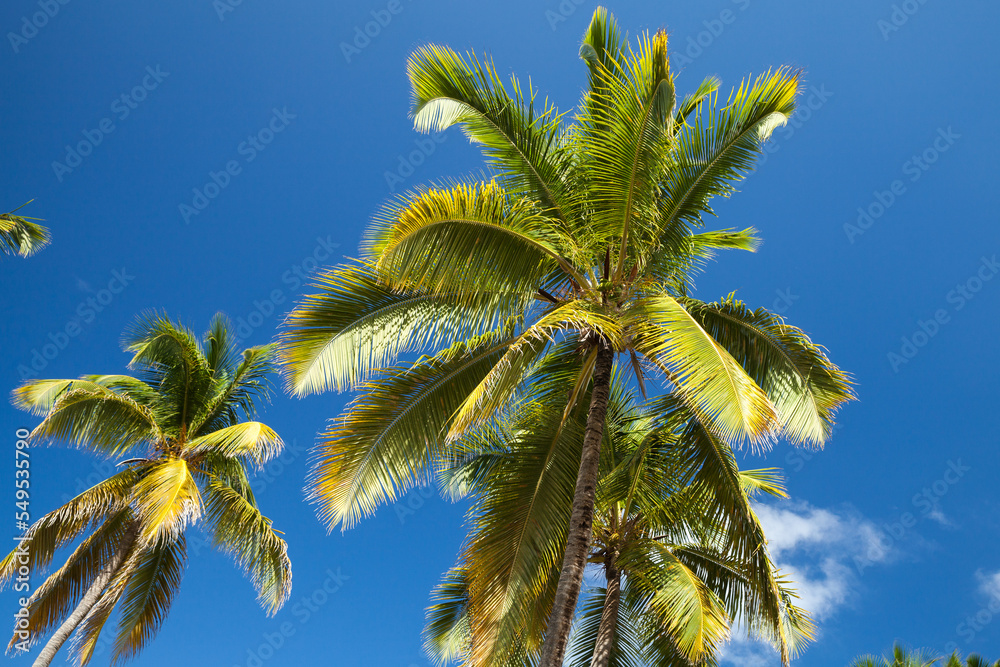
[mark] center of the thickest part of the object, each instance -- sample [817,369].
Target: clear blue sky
[902,112]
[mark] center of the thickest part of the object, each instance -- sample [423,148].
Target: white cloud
[989,584]
[823,552]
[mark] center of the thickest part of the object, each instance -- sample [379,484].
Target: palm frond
[805,387]
[253,441]
[69,522]
[704,372]
[390,435]
[240,530]
[166,500]
[340,337]
[21,236]
[151,588]
[721,147]
[520,142]
[625,144]
[467,239]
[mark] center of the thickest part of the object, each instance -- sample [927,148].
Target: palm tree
[187,423]
[973,660]
[21,236]
[586,234]
[904,657]
[900,657]
[675,580]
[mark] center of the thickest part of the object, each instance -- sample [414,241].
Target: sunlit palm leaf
[355,326]
[240,530]
[805,387]
[468,239]
[392,433]
[252,441]
[166,500]
[705,374]
[520,141]
[21,236]
[146,601]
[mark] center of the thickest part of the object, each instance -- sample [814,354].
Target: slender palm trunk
[609,616]
[581,520]
[90,598]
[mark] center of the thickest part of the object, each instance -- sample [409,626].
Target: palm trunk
[609,616]
[90,598]
[581,519]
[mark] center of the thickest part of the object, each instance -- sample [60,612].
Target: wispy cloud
[818,549]
[989,584]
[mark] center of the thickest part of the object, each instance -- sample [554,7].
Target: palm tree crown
[186,424]
[587,235]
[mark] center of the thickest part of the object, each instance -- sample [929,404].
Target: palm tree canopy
[669,529]
[587,234]
[187,423]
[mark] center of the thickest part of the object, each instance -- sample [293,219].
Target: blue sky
[228,149]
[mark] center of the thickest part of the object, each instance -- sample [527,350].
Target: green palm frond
[515,548]
[60,527]
[467,239]
[625,143]
[166,500]
[88,633]
[21,236]
[391,434]
[50,603]
[340,337]
[147,597]
[447,632]
[238,397]
[170,358]
[805,387]
[705,374]
[675,598]
[629,648]
[520,142]
[502,382]
[89,415]
[721,147]
[255,442]
[240,530]
[692,101]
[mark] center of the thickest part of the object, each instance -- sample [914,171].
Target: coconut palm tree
[586,234]
[973,660]
[673,580]
[186,425]
[904,657]
[21,236]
